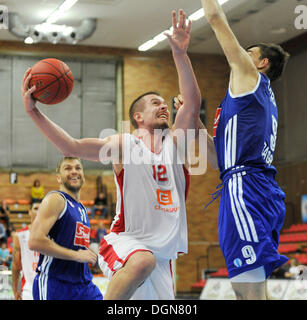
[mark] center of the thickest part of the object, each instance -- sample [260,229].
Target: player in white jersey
[151,214]
[150,226]
[24,259]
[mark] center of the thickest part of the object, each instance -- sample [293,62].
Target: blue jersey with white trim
[245,129]
[72,231]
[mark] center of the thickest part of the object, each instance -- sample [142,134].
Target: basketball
[53,80]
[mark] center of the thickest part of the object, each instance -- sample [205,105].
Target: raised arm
[244,74]
[211,152]
[88,148]
[49,211]
[187,116]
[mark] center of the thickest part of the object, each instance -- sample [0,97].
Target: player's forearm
[188,85]
[47,247]
[15,277]
[55,134]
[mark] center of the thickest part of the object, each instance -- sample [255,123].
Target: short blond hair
[58,167]
[137,107]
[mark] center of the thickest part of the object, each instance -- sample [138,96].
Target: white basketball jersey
[151,194]
[29,259]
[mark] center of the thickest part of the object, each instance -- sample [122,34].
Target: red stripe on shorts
[119,225]
[109,255]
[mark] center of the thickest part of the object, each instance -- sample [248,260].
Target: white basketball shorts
[115,250]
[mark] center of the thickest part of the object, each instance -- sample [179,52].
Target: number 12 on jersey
[159,172]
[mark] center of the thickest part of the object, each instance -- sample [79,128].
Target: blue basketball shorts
[251,215]
[47,288]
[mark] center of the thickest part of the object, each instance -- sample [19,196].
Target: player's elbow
[35,244]
[32,245]
[216,19]
[213,16]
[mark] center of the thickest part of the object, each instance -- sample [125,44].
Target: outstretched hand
[180,39]
[26,92]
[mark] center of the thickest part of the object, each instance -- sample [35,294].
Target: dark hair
[35,181]
[277,57]
[135,104]
[64,159]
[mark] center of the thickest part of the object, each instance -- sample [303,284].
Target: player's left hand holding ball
[26,92]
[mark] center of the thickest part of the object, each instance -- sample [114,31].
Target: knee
[250,291]
[141,264]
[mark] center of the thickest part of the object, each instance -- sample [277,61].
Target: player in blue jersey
[61,234]
[252,207]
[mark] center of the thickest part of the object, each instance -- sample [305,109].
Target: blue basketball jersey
[252,209]
[71,230]
[245,129]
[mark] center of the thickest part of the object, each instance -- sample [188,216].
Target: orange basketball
[53,80]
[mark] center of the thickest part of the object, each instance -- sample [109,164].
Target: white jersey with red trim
[151,194]
[29,260]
